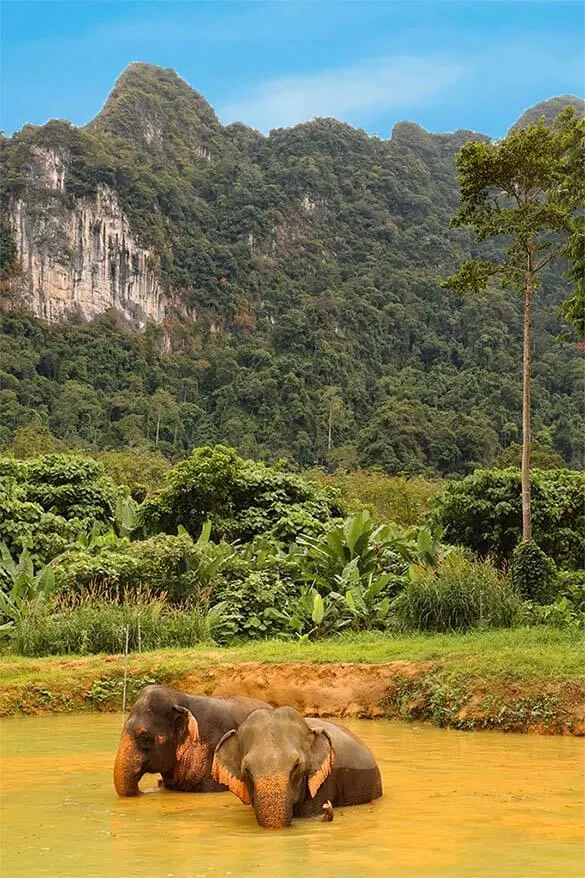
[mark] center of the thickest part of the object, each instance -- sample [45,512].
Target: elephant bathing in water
[174,734]
[285,765]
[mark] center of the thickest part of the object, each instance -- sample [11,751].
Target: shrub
[241,498]
[252,604]
[142,471]
[175,565]
[70,485]
[459,596]
[484,512]
[388,498]
[533,573]
[571,585]
[25,525]
[375,549]
[45,503]
[562,614]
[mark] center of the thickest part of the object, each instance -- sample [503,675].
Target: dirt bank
[421,690]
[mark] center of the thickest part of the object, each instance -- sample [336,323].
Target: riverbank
[527,680]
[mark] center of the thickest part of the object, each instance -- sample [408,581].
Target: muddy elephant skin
[287,766]
[174,735]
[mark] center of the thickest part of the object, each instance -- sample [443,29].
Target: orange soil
[399,689]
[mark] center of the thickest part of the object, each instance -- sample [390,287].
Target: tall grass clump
[459,596]
[93,623]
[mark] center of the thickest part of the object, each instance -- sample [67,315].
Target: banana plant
[311,615]
[26,586]
[361,595]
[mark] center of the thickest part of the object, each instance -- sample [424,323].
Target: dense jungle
[308,320]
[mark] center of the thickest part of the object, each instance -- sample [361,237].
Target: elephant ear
[321,759]
[227,766]
[186,729]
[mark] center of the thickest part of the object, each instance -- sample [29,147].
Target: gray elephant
[285,765]
[174,735]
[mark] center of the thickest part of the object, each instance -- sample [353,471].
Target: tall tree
[520,189]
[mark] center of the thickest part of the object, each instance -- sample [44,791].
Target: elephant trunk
[273,801]
[129,766]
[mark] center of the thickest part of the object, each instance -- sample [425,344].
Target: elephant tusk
[327,815]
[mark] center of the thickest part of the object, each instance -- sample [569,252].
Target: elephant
[285,765]
[174,735]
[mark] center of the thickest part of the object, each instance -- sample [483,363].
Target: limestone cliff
[79,256]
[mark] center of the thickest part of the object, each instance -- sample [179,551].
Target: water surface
[456,805]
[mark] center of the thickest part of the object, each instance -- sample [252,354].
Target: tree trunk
[526,388]
[329,431]
[157,428]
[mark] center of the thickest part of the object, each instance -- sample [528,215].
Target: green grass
[512,679]
[541,652]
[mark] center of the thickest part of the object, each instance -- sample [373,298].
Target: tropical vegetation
[309,265]
[228,549]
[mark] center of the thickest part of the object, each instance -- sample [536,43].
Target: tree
[520,188]
[573,162]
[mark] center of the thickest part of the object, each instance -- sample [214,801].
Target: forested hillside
[308,319]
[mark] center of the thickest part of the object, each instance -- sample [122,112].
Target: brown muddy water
[456,805]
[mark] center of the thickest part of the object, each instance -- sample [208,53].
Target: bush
[142,471]
[92,624]
[45,503]
[484,513]
[571,585]
[388,498]
[562,614]
[70,485]
[533,573]
[241,498]
[25,525]
[175,565]
[459,596]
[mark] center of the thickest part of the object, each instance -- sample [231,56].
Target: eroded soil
[398,689]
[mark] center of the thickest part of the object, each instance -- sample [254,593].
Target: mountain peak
[154,107]
[550,109]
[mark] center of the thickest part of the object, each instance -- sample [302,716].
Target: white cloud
[386,83]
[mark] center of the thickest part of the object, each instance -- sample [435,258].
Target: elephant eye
[296,767]
[144,739]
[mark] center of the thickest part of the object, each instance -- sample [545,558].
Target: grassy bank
[522,679]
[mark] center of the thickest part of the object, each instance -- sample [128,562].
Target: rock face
[81,260]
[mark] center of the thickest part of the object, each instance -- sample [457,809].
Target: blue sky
[445,64]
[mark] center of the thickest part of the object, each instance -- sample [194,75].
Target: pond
[456,804]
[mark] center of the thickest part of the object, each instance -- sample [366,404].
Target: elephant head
[161,736]
[272,761]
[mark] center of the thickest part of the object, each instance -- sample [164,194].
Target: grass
[523,679]
[538,652]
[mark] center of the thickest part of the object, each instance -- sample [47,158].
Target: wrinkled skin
[285,765]
[174,735]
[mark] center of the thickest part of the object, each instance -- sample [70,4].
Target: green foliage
[458,596]
[541,457]
[361,545]
[294,569]
[94,624]
[25,587]
[365,597]
[240,498]
[69,485]
[46,502]
[483,512]
[532,572]
[142,471]
[388,498]
[561,614]
[174,565]
[517,187]
[312,258]
[571,585]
